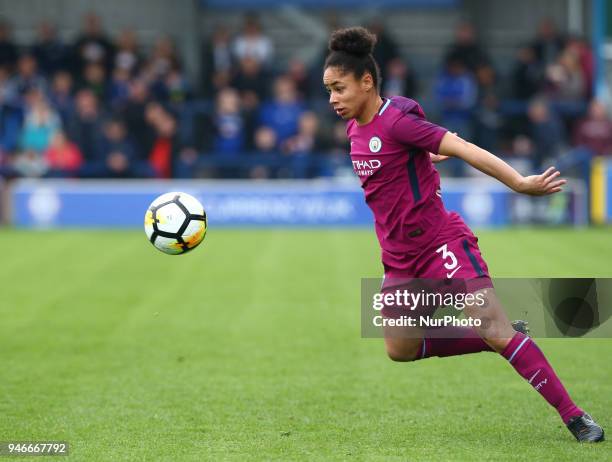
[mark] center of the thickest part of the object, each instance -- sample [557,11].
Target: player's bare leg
[403,343]
[413,343]
[495,327]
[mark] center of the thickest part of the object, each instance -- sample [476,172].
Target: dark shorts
[452,263]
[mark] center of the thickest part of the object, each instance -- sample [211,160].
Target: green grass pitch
[249,348]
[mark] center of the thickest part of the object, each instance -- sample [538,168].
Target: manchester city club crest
[375,144]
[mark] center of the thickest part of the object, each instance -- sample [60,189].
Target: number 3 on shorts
[449,265]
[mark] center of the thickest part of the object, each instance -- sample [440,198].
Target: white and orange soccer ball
[175,223]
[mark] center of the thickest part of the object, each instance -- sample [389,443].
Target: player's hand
[437,158]
[542,185]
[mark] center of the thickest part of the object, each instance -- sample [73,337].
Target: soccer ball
[175,223]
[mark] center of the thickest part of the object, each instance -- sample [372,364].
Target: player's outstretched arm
[535,185]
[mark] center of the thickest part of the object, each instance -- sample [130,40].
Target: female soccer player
[393,148]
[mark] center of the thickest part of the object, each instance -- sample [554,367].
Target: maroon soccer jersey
[402,187]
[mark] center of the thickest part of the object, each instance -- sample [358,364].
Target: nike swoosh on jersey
[453,273]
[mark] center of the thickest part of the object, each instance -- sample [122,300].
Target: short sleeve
[413,130]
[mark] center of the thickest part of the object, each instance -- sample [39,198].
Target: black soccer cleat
[521,326]
[585,429]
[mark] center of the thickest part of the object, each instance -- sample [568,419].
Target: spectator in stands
[94,79]
[153,113]
[167,149]
[301,146]
[60,95]
[565,78]
[400,79]
[92,46]
[253,43]
[580,47]
[41,123]
[174,88]
[224,134]
[85,124]
[339,143]
[337,149]
[308,139]
[546,133]
[116,154]
[26,78]
[127,55]
[594,132]
[171,156]
[466,49]
[251,81]
[5,77]
[548,43]
[119,87]
[133,111]
[10,124]
[284,111]
[217,61]
[266,142]
[456,94]
[8,49]
[62,157]
[520,153]
[386,49]
[228,123]
[49,51]
[187,163]
[10,121]
[163,59]
[528,75]
[298,72]
[487,117]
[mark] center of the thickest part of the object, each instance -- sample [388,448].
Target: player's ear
[367,82]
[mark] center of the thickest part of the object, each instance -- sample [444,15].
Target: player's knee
[498,344]
[402,355]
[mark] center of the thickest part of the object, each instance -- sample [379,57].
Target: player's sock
[529,361]
[452,341]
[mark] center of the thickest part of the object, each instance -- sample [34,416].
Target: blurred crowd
[100,107]
[97,107]
[542,110]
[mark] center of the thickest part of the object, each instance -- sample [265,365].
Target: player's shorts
[451,263]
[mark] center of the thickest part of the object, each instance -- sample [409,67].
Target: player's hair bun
[353,40]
